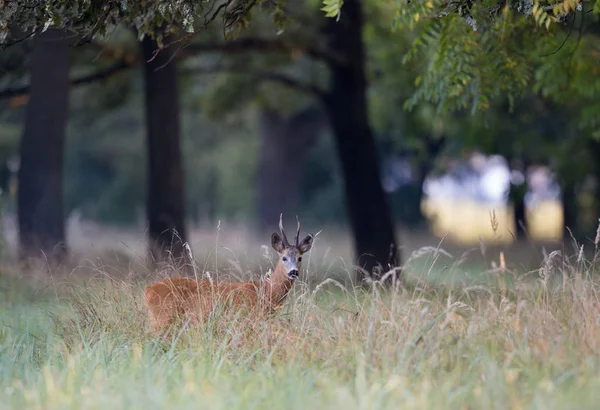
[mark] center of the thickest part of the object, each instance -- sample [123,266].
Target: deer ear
[277,243]
[306,243]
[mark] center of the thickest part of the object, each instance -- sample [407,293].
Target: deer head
[290,255]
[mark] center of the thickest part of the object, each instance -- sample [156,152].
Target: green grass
[521,343]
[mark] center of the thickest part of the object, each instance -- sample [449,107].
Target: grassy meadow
[468,329]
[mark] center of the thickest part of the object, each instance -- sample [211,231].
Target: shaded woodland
[288,111]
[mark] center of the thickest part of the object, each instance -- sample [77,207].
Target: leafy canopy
[473,53]
[95,17]
[470,52]
[480,51]
[156,18]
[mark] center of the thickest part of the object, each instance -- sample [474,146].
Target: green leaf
[332,8]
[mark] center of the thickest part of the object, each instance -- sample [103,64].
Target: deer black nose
[293,274]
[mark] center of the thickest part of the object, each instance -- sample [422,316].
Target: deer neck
[278,286]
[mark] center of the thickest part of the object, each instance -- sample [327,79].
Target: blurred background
[101,150]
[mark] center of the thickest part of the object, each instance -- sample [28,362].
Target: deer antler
[298,231]
[285,239]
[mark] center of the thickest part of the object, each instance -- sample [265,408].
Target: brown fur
[194,300]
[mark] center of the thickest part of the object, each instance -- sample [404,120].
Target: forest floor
[472,330]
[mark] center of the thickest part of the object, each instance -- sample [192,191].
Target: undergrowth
[508,340]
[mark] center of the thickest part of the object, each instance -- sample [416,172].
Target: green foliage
[477,52]
[467,69]
[332,8]
[526,70]
[569,75]
[95,17]
[157,19]
[439,59]
[409,13]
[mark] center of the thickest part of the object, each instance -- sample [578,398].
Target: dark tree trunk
[433,148]
[516,193]
[569,203]
[286,143]
[5,175]
[165,206]
[520,217]
[40,196]
[407,199]
[370,218]
[423,174]
[594,147]
[406,203]
[517,197]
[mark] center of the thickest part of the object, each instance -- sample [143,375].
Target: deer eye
[300,259]
[284,259]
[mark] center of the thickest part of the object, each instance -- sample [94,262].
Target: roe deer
[194,299]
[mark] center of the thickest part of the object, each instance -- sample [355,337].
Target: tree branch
[120,65]
[20,39]
[193,33]
[260,74]
[268,45]
[101,75]
[129,61]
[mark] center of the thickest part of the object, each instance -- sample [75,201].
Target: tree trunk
[569,203]
[40,196]
[517,197]
[370,218]
[424,172]
[594,147]
[285,145]
[520,217]
[434,146]
[165,206]
[5,175]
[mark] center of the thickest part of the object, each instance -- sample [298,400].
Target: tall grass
[491,339]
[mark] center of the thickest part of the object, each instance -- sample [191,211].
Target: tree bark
[569,203]
[40,196]
[594,148]
[346,103]
[520,217]
[517,197]
[433,148]
[285,145]
[165,200]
